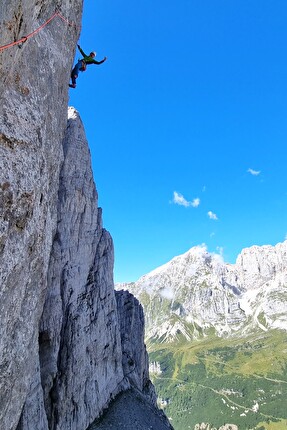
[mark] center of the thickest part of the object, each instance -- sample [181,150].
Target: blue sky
[186,122]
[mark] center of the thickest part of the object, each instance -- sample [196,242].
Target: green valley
[217,338]
[237,380]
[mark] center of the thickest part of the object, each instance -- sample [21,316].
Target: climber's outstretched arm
[81,51]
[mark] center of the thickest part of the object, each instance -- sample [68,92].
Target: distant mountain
[217,338]
[196,293]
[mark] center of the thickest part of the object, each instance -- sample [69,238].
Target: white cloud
[212,215]
[219,249]
[254,172]
[195,202]
[178,199]
[167,293]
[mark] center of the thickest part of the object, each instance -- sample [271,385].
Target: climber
[82,65]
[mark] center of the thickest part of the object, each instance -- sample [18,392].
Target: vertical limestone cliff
[33,106]
[135,359]
[79,340]
[62,357]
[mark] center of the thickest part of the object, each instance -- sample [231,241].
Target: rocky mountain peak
[196,292]
[260,264]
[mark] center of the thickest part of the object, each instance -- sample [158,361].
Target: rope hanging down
[23,39]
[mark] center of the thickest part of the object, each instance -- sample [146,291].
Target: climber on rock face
[82,65]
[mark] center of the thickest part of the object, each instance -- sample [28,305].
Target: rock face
[90,345]
[135,358]
[33,103]
[197,292]
[61,358]
[79,329]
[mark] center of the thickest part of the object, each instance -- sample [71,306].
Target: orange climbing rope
[23,39]
[70,23]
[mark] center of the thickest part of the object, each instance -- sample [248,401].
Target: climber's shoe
[72,85]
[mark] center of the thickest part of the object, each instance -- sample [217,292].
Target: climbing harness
[25,38]
[83,66]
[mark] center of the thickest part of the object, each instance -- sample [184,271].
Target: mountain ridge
[204,291]
[217,335]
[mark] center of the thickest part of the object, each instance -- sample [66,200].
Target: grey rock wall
[33,103]
[61,329]
[135,358]
[91,342]
[80,348]
[79,341]
[89,345]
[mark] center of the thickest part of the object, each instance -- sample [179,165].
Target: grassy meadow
[240,381]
